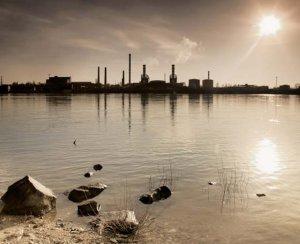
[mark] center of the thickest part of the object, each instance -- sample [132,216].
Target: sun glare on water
[269,25]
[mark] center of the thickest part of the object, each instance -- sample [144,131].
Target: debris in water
[212,183]
[97,167]
[260,194]
[74,142]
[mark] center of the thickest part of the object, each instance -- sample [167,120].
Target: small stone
[88,174]
[97,167]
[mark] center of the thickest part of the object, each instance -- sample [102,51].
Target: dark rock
[88,174]
[83,193]
[90,208]
[158,194]
[161,193]
[260,194]
[97,167]
[28,197]
[146,199]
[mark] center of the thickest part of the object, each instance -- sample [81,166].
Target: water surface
[247,143]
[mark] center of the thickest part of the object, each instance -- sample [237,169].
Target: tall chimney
[144,70]
[173,70]
[123,78]
[1,81]
[208,74]
[98,78]
[129,69]
[105,76]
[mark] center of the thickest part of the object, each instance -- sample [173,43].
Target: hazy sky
[60,37]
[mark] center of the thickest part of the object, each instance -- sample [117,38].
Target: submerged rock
[90,208]
[146,199]
[28,197]
[88,174]
[83,193]
[158,194]
[161,193]
[97,167]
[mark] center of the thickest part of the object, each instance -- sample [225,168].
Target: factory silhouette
[56,84]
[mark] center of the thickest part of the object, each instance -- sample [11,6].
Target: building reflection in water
[98,105]
[144,103]
[173,106]
[266,157]
[123,104]
[207,101]
[194,98]
[105,105]
[129,112]
[58,100]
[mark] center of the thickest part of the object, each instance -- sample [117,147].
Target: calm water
[252,141]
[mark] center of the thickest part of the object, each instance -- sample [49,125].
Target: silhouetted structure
[58,84]
[129,69]
[194,83]
[98,75]
[144,76]
[105,76]
[208,84]
[82,86]
[173,76]
[123,78]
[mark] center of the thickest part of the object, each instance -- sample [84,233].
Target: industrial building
[57,83]
[194,83]
[144,76]
[208,84]
[173,76]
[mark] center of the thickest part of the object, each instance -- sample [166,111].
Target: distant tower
[105,76]
[129,69]
[98,77]
[144,76]
[173,76]
[276,81]
[123,78]
[208,84]
[1,81]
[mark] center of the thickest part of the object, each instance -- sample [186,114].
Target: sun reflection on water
[266,157]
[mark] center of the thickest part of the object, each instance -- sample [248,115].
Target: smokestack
[123,78]
[129,69]
[105,76]
[173,70]
[98,77]
[144,70]
[1,81]
[208,74]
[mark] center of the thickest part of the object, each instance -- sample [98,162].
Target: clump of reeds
[231,187]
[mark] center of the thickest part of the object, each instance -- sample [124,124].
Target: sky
[71,38]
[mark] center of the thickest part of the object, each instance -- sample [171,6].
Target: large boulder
[90,208]
[28,197]
[83,193]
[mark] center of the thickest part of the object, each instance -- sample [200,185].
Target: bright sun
[269,25]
